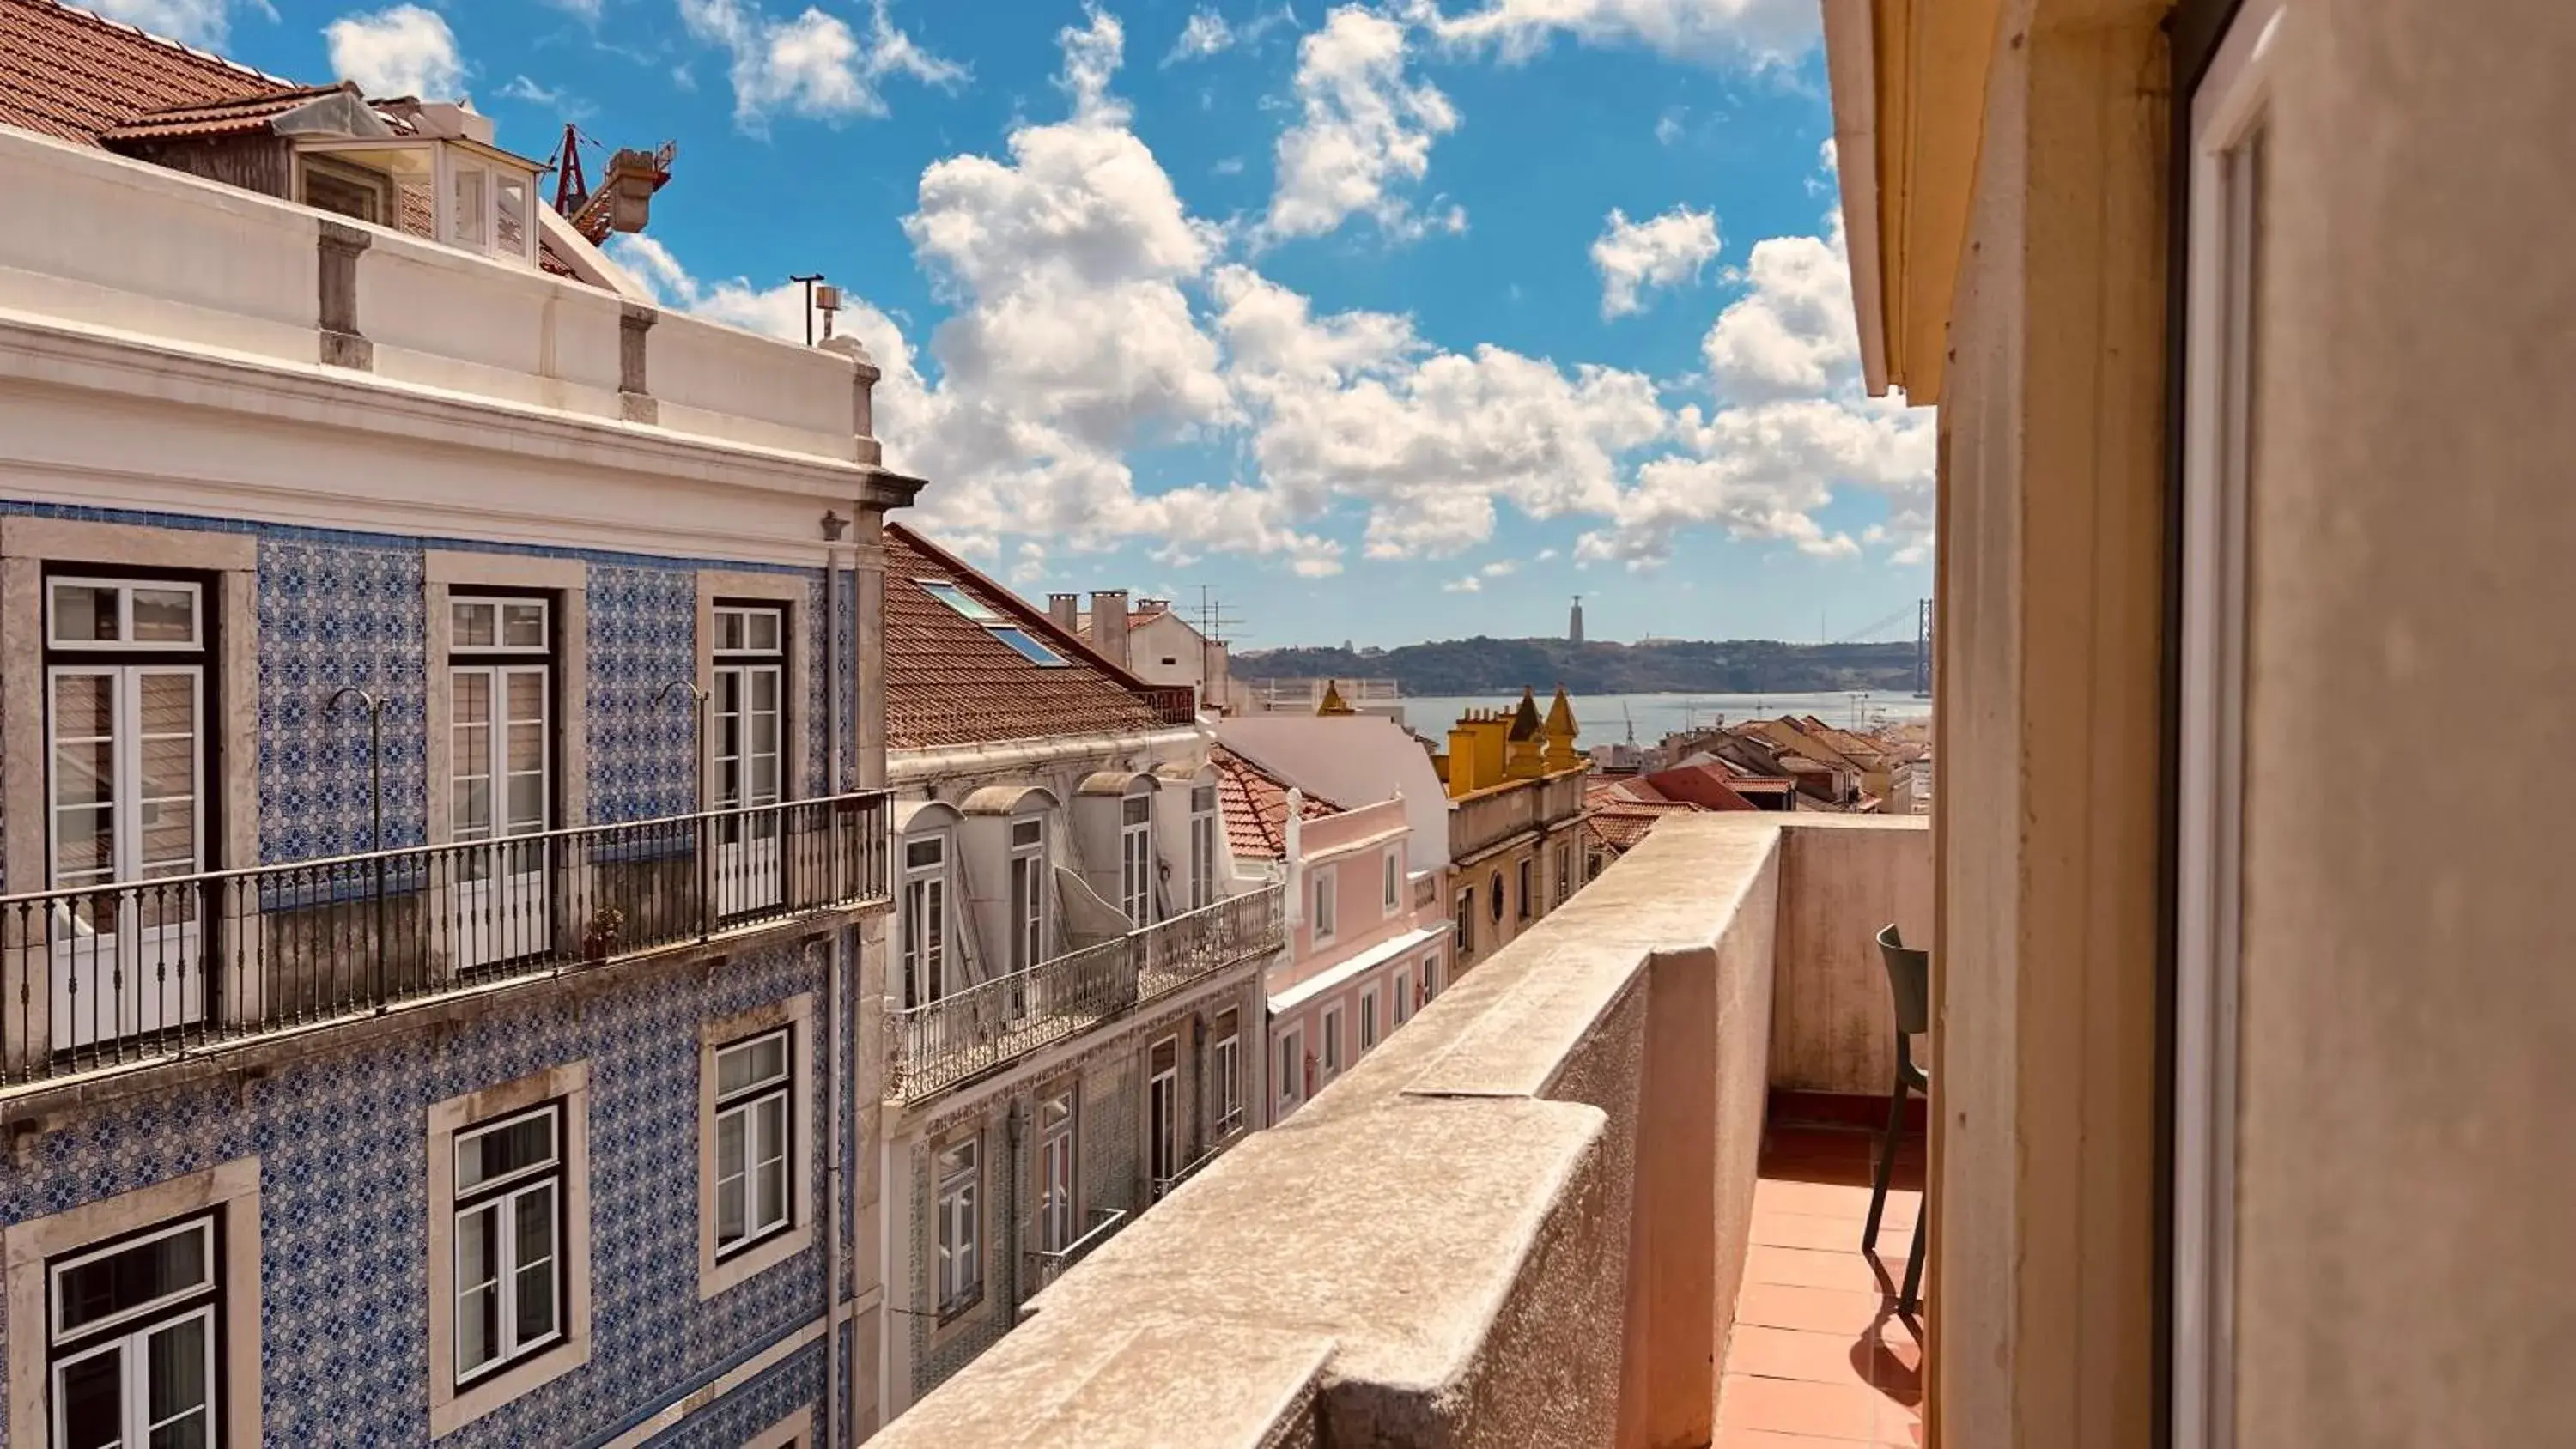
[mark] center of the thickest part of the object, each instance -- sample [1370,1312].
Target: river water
[1606,718]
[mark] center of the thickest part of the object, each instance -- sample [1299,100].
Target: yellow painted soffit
[1923,119]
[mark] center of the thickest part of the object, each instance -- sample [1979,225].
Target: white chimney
[1109,625]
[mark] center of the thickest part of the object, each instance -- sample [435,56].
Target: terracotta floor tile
[1825,1199]
[1827,1411]
[1847,1269]
[1810,1310]
[1817,1358]
[1831,1234]
[1769,1439]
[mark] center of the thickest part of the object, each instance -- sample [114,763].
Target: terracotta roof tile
[1620,824]
[1255,804]
[949,681]
[219,118]
[69,74]
[1702,786]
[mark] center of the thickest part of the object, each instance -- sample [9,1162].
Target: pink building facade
[1367,945]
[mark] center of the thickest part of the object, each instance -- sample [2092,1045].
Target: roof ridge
[111,23]
[1271,773]
[1028,615]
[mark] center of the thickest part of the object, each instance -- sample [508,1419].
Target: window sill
[753,1259]
[472,1401]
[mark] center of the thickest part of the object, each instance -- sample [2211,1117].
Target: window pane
[176,1362]
[764,691]
[956,598]
[1027,832]
[511,195]
[84,615]
[1030,649]
[169,768]
[773,1162]
[523,626]
[170,837]
[169,704]
[732,1180]
[84,706]
[750,1063]
[923,853]
[1134,810]
[504,1150]
[84,844]
[764,630]
[471,625]
[90,1396]
[468,217]
[535,1214]
[472,808]
[527,696]
[957,1159]
[138,1275]
[478,1295]
[85,773]
[165,616]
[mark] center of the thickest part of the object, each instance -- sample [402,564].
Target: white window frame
[1026,897]
[1329,1032]
[1225,1073]
[1528,875]
[1291,1092]
[1162,1117]
[765,1108]
[1403,997]
[958,1188]
[500,1197]
[1368,1020]
[35,1248]
[1430,978]
[1327,903]
[927,927]
[2227,119]
[1059,1170]
[1393,872]
[744,665]
[141,1323]
[126,588]
[1136,855]
[1564,874]
[453,1404]
[1203,846]
[722,1266]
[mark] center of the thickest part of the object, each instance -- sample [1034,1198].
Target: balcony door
[500,779]
[747,725]
[2223,284]
[125,722]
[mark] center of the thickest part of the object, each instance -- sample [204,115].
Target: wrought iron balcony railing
[968,1032]
[98,975]
[1105,1223]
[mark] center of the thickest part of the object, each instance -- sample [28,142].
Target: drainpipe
[834,1372]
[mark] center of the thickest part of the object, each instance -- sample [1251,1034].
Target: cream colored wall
[2044,1272]
[2409,1005]
[1832,1027]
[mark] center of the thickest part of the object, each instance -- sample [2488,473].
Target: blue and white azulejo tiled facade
[341,1124]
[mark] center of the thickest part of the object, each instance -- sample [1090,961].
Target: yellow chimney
[1333,701]
[1463,750]
[1492,733]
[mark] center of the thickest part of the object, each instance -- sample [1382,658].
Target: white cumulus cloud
[1756,32]
[1364,131]
[1664,251]
[813,64]
[1204,35]
[194,22]
[403,51]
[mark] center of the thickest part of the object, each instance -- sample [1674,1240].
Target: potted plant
[599,938]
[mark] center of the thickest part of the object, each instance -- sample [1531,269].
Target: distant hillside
[1483,666]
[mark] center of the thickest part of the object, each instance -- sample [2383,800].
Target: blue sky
[1393,321]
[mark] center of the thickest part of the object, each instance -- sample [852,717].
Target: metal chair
[1909,987]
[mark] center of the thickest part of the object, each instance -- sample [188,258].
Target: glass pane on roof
[957,598]
[1028,646]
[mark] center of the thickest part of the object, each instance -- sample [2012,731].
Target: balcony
[100,978]
[996,1022]
[1556,1207]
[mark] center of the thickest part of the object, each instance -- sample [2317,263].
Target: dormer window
[451,189]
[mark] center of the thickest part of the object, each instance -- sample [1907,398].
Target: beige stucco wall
[1832,1026]
[2409,1005]
[2044,1268]
[1557,1159]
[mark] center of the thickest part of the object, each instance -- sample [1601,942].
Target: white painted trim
[232,1188]
[796,1013]
[2226,108]
[942,764]
[792,1432]
[451,1407]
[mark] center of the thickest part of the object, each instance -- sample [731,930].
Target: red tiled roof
[1255,804]
[1619,824]
[1700,785]
[69,74]
[950,682]
[220,118]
